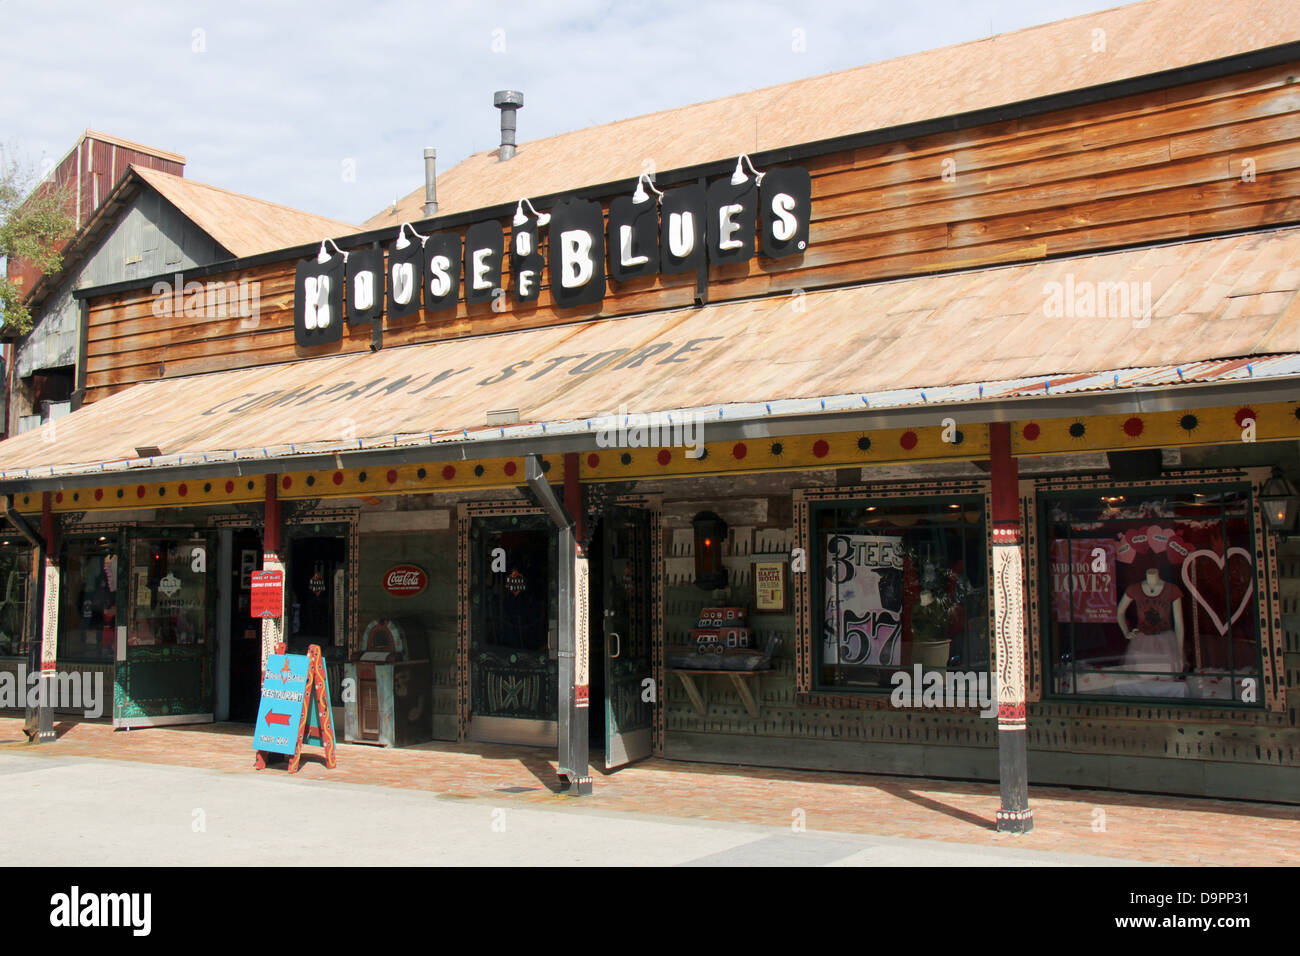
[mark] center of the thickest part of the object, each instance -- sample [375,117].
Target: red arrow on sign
[273,718]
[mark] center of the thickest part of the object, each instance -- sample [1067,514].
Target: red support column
[1009,634]
[49,617]
[50,597]
[273,629]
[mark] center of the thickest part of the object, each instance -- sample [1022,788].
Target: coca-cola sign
[405,580]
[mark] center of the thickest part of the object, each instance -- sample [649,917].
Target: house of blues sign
[688,228]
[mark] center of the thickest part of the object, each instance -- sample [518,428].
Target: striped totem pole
[1009,634]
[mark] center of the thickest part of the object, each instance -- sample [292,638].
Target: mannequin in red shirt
[1156,643]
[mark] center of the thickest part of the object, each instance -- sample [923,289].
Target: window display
[15,579]
[902,582]
[1152,594]
[88,600]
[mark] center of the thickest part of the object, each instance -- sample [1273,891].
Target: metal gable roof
[1068,55]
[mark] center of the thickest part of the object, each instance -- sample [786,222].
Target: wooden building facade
[1025,393]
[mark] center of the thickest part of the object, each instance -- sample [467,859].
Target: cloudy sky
[282,100]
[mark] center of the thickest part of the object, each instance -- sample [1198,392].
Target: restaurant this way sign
[683,229]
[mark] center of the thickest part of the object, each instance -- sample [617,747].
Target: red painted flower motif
[338,478]
[1032,431]
[664,456]
[1133,427]
[908,440]
[821,448]
[286,482]
[511,468]
[230,486]
[739,451]
[449,472]
[593,460]
[392,476]
[1243,414]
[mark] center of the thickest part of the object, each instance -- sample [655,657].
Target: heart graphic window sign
[1218,560]
[1176,550]
[1159,538]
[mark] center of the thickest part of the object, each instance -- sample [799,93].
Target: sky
[327,106]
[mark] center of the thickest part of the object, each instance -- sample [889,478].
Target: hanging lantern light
[710,532]
[1279,500]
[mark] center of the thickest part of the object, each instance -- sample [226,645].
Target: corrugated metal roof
[1136,40]
[243,224]
[935,340]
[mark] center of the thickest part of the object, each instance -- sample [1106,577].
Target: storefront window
[15,577]
[88,595]
[168,601]
[1151,593]
[901,582]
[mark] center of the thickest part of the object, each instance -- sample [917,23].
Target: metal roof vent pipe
[508,102]
[430,181]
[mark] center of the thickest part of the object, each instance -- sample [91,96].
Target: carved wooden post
[1009,634]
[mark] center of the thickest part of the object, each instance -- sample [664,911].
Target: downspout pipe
[574,769]
[38,724]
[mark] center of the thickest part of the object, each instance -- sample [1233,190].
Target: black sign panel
[785,207]
[692,226]
[682,233]
[318,302]
[365,286]
[733,220]
[526,262]
[483,242]
[405,278]
[441,271]
[633,238]
[577,253]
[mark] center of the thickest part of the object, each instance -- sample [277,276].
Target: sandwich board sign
[295,708]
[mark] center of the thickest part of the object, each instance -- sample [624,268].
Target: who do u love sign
[648,232]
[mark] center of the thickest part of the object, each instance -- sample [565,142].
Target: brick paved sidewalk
[1137,827]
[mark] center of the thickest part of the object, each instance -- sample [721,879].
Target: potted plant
[943,592]
[931,616]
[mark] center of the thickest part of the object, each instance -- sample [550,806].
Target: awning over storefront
[1200,311]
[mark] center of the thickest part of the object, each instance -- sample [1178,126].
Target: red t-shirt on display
[1155,614]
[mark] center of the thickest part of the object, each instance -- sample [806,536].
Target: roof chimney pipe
[430,181]
[508,102]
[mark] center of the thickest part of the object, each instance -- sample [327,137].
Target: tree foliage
[34,222]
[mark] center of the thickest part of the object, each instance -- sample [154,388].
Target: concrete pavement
[124,813]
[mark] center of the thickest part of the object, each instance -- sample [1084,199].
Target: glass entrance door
[627,622]
[514,625]
[165,674]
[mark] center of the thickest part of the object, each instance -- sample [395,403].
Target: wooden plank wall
[1151,167]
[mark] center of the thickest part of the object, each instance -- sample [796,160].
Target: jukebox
[392,681]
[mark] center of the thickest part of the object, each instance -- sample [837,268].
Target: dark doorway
[245,630]
[514,613]
[315,606]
